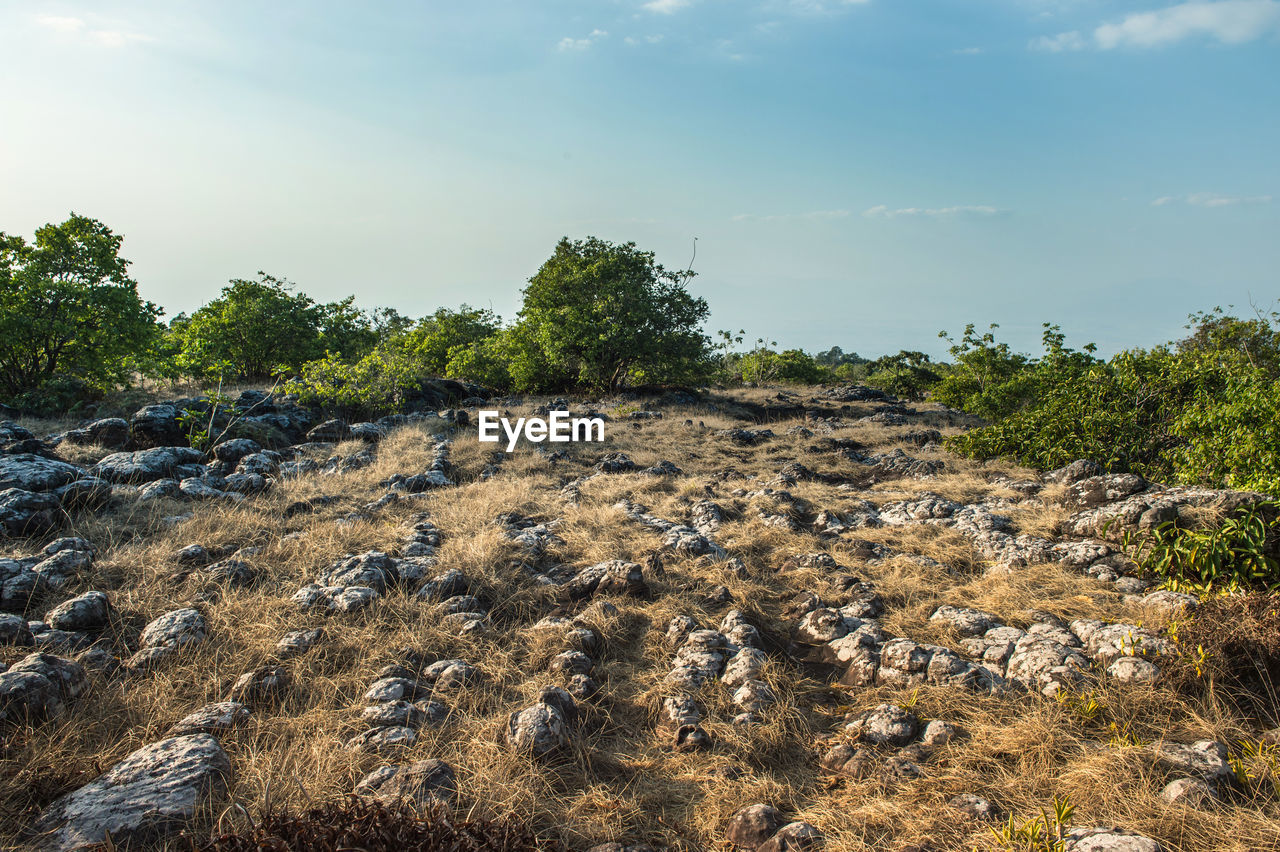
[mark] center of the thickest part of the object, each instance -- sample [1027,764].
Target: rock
[571,662]
[424,782]
[844,759]
[28,512]
[373,569]
[975,807]
[110,432]
[297,642]
[156,426]
[153,791]
[1107,488]
[261,686]
[160,489]
[150,465]
[28,472]
[174,629]
[378,740]
[1190,792]
[404,714]
[938,733]
[195,488]
[89,611]
[966,622]
[885,724]
[1204,759]
[1074,472]
[1108,840]
[231,452]
[28,697]
[1134,670]
[793,836]
[212,719]
[63,566]
[542,728]
[14,631]
[753,825]
[67,676]
[330,431]
[1172,603]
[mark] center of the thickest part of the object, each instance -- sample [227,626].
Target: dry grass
[622,780]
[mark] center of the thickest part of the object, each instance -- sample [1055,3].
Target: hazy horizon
[856,172]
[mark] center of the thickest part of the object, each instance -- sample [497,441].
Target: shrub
[378,383]
[600,315]
[907,374]
[790,365]
[433,340]
[71,321]
[1231,643]
[1233,554]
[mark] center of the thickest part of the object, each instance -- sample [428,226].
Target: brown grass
[621,780]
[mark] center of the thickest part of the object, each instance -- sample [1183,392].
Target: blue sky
[860,174]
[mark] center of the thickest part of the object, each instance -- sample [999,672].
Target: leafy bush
[790,365]
[1203,410]
[1044,833]
[436,337]
[907,374]
[1233,554]
[599,315]
[71,321]
[382,381]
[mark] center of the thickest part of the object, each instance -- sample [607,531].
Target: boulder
[885,724]
[88,611]
[424,782]
[212,719]
[30,472]
[1108,840]
[162,462]
[751,826]
[150,793]
[28,512]
[176,628]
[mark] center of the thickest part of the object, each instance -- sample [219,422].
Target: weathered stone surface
[150,465]
[14,630]
[1203,759]
[89,611]
[212,719]
[29,472]
[27,512]
[975,807]
[966,622]
[260,686]
[544,727]
[885,724]
[1189,792]
[751,826]
[174,629]
[382,739]
[424,782]
[143,797]
[1108,840]
[793,836]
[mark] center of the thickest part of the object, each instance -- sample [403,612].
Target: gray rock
[571,662]
[174,629]
[67,676]
[378,740]
[29,472]
[966,622]
[938,733]
[260,686]
[110,432]
[975,807]
[539,730]
[1191,792]
[142,798]
[147,465]
[885,724]
[234,450]
[1134,670]
[28,696]
[14,631]
[89,611]
[1074,472]
[1204,759]
[753,825]
[793,836]
[27,512]
[424,782]
[160,489]
[1108,840]
[212,719]
[298,642]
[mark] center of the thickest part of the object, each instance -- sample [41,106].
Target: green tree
[601,315]
[251,330]
[908,374]
[69,310]
[438,335]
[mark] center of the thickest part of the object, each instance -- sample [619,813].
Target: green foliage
[436,337]
[907,375]
[378,383]
[790,365]
[70,316]
[1203,410]
[600,315]
[1044,833]
[1234,554]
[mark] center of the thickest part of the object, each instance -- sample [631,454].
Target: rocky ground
[757,620]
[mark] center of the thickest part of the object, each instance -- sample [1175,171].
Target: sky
[860,173]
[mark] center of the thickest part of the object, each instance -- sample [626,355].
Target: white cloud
[812,216]
[1228,21]
[649,39]
[79,27]
[1211,199]
[1058,43]
[61,24]
[967,51]
[823,7]
[882,211]
[665,7]
[568,43]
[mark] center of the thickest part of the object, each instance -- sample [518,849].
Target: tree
[600,315]
[446,330]
[906,374]
[252,329]
[69,310]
